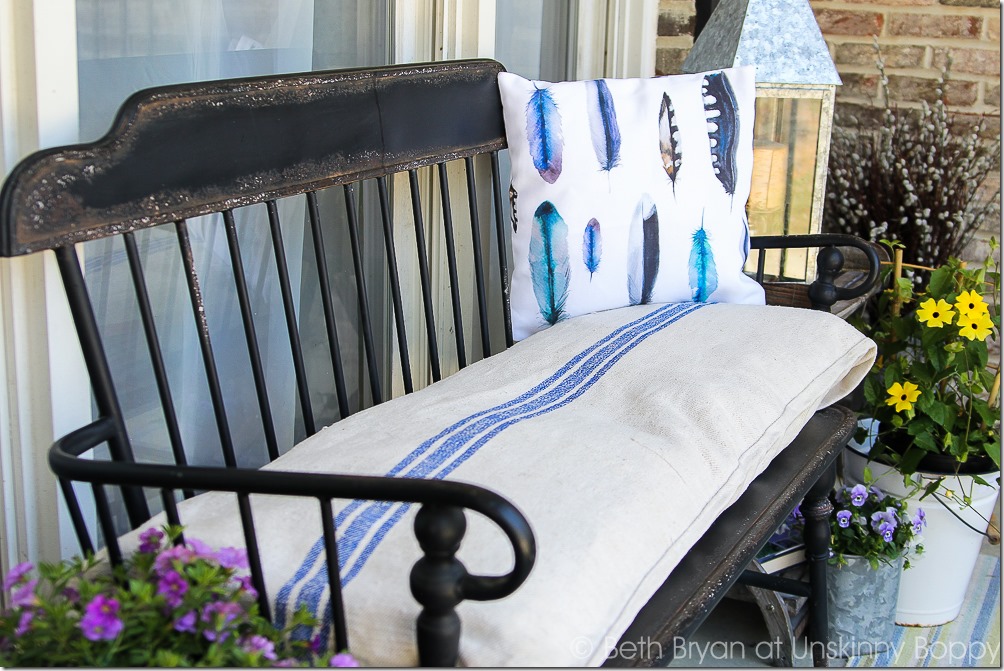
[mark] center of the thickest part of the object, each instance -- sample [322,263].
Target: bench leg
[816,508]
[436,583]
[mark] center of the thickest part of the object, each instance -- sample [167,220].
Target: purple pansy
[100,621]
[260,644]
[343,659]
[15,575]
[186,623]
[172,587]
[24,624]
[150,540]
[844,518]
[919,521]
[858,495]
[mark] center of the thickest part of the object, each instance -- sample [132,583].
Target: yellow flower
[971,303]
[935,313]
[903,396]
[975,326]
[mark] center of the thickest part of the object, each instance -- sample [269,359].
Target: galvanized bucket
[862,606]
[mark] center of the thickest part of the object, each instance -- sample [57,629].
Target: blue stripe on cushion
[575,379]
[314,553]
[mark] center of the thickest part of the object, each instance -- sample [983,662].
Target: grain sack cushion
[628,191]
[621,435]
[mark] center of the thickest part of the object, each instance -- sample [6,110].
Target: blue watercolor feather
[703,274]
[592,247]
[603,128]
[543,132]
[643,252]
[549,266]
[722,113]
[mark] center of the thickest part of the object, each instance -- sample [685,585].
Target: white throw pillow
[628,191]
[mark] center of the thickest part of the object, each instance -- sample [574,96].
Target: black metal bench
[183,151]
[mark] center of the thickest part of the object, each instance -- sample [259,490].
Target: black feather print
[669,134]
[722,112]
[643,252]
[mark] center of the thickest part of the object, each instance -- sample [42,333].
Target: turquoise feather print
[549,267]
[643,252]
[543,133]
[592,247]
[703,274]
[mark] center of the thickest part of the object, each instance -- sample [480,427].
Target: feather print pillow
[628,191]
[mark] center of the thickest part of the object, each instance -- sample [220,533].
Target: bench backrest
[324,140]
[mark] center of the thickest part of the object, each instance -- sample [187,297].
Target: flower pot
[862,606]
[932,590]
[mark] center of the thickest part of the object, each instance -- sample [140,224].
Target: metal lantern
[795,85]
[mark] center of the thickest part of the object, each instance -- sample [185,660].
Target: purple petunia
[245,583]
[858,495]
[235,558]
[343,659]
[260,644]
[100,621]
[166,559]
[150,540]
[172,587]
[24,624]
[25,594]
[15,575]
[186,623]
[218,615]
[844,518]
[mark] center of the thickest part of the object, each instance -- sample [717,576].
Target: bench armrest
[823,292]
[438,580]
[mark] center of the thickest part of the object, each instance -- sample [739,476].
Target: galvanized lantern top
[780,37]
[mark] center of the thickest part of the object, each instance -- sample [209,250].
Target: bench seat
[621,436]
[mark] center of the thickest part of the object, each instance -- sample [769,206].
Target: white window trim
[45,390]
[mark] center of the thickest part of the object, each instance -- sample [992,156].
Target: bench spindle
[451,260]
[395,284]
[250,335]
[352,212]
[436,581]
[327,307]
[334,576]
[500,236]
[479,270]
[299,369]
[423,270]
[206,345]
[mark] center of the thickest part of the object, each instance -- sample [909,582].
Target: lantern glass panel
[785,149]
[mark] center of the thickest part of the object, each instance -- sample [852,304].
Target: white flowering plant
[921,179]
[167,605]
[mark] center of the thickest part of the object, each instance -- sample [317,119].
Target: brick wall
[917,37]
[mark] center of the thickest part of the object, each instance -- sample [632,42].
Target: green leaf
[994,452]
[942,281]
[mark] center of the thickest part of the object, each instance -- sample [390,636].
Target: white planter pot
[932,590]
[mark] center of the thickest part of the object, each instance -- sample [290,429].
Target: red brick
[970,61]
[992,96]
[853,115]
[915,89]
[669,60]
[865,54]
[858,85]
[898,3]
[970,3]
[844,22]
[930,25]
[676,22]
